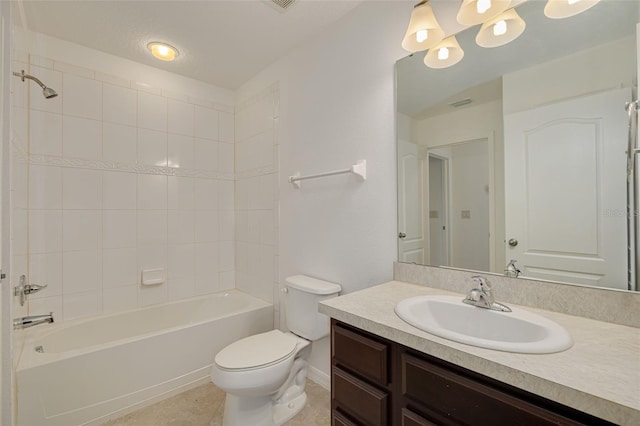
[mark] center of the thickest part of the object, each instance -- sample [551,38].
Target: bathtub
[89,371]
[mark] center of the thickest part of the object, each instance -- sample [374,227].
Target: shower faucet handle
[33,288]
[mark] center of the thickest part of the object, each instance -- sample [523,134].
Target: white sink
[517,331]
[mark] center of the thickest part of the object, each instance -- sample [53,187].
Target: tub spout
[30,321]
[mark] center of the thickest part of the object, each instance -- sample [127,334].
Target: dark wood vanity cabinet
[378,382]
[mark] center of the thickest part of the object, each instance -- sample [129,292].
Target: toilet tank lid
[312,285]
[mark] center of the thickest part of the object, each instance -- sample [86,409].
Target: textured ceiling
[423,91]
[223,43]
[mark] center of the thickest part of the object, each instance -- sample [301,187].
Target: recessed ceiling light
[162,51]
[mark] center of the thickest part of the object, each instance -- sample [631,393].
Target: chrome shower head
[47,92]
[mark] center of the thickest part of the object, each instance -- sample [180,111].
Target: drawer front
[359,399]
[450,395]
[360,354]
[338,419]
[409,418]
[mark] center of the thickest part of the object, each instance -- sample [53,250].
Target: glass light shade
[515,26]
[558,9]
[455,54]
[162,51]
[422,18]
[468,13]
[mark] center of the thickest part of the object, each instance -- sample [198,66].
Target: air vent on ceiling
[461,102]
[281,5]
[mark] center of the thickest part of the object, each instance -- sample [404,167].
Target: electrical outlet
[466,214]
[433,214]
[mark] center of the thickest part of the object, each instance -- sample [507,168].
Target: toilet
[264,375]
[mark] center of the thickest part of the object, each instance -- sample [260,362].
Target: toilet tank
[303,295]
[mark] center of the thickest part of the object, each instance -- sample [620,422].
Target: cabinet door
[447,394]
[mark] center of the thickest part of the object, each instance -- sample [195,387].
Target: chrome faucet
[482,296]
[23,289]
[30,321]
[512,270]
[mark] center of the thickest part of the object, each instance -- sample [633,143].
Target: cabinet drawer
[360,354]
[448,394]
[338,419]
[409,418]
[359,399]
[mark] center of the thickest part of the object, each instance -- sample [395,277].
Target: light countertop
[599,374]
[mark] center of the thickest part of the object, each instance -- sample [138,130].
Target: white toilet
[264,375]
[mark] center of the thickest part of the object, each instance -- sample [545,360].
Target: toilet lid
[257,350]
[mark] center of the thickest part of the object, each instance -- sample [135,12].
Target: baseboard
[319,377]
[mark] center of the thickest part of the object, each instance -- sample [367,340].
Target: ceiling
[424,92]
[221,42]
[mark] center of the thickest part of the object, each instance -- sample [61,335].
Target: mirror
[520,151]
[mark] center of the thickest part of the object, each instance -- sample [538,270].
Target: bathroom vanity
[386,372]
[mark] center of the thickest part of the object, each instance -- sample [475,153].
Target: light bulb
[443,54]
[162,51]
[422,35]
[483,5]
[500,28]
[572,1]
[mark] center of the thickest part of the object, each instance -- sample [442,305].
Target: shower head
[47,92]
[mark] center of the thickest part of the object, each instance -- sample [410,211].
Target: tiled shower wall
[113,177]
[257,196]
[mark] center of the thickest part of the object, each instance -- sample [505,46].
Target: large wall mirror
[520,151]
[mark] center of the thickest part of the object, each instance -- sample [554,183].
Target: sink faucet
[482,296]
[30,321]
[512,270]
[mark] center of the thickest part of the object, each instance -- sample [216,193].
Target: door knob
[402,235]
[513,242]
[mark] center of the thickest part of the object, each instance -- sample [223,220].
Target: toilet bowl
[264,375]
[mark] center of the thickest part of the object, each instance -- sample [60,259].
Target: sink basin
[518,331]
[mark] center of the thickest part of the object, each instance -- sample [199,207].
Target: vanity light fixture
[423,31]
[501,30]
[474,12]
[447,53]
[558,9]
[163,51]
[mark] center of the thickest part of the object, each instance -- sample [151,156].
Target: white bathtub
[103,367]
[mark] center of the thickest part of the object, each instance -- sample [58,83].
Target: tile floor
[204,405]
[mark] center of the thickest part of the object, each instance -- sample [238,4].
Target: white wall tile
[181,118]
[81,189]
[181,194]
[81,305]
[206,191]
[253,226]
[206,155]
[227,280]
[266,227]
[181,151]
[19,181]
[226,226]
[81,138]
[152,147]
[226,256]
[181,226]
[152,192]
[119,190]
[226,195]
[45,187]
[46,269]
[152,111]
[119,228]
[242,255]
[73,69]
[52,79]
[181,276]
[119,105]
[206,228]
[82,97]
[241,225]
[226,127]
[226,158]
[119,267]
[45,133]
[44,305]
[120,298]
[152,258]
[242,194]
[81,230]
[19,233]
[152,295]
[81,271]
[152,228]
[19,127]
[206,123]
[45,231]
[206,268]
[119,143]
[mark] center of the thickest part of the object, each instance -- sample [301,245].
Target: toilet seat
[257,351]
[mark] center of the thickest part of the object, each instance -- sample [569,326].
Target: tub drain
[40,349]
